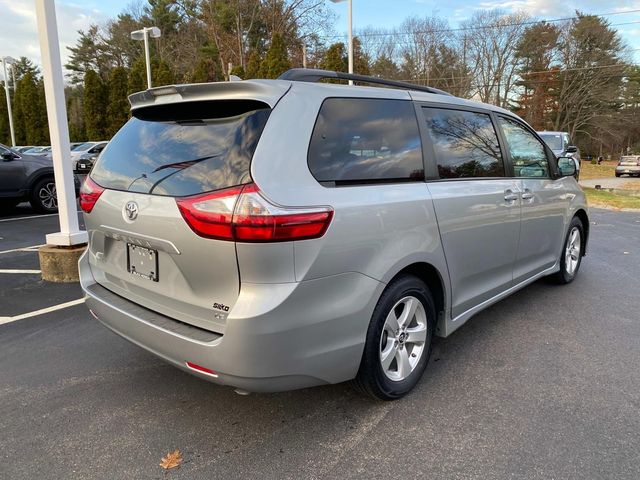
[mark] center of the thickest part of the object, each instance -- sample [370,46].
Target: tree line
[573,75]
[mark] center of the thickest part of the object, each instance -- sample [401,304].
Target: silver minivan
[279,234]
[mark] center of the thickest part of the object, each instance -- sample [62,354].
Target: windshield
[183,157]
[34,150]
[554,141]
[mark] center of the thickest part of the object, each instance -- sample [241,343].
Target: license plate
[142,262]
[83,166]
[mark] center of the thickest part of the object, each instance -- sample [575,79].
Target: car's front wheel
[44,197]
[398,343]
[572,252]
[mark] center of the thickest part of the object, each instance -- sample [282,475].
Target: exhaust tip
[239,391]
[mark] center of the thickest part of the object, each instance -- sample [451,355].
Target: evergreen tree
[30,113]
[253,65]
[361,61]
[95,106]
[335,58]
[161,73]
[277,61]
[238,71]
[5,134]
[137,80]
[118,107]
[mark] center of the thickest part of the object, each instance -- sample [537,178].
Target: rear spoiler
[266,91]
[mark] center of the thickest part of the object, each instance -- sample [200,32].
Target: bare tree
[490,40]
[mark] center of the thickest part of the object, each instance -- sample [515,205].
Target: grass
[588,170]
[604,198]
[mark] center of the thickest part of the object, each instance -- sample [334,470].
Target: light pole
[9,61]
[350,21]
[47,28]
[144,34]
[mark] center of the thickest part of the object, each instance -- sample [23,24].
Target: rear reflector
[89,194]
[200,369]
[242,214]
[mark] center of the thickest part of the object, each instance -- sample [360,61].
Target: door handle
[527,195]
[510,196]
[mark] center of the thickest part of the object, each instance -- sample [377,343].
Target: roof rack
[314,75]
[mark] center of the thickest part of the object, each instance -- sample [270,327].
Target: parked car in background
[75,145]
[84,164]
[86,150]
[22,148]
[628,165]
[561,145]
[29,178]
[279,234]
[41,150]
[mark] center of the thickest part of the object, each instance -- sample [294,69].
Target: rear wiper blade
[185,163]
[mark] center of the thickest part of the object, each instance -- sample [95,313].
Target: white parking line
[42,311]
[26,218]
[31,216]
[32,248]
[9,270]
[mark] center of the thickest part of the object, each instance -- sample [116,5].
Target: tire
[569,268]
[43,196]
[396,377]
[617,174]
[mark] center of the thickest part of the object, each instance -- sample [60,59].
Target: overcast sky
[18,33]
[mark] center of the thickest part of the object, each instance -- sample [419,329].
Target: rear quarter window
[360,141]
[185,150]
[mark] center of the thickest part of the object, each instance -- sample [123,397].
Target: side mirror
[8,156]
[572,149]
[566,166]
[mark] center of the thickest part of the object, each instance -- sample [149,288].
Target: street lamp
[350,20]
[144,34]
[9,61]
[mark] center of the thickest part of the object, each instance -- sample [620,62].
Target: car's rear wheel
[572,251]
[44,197]
[398,343]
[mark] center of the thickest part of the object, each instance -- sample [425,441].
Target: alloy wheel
[402,342]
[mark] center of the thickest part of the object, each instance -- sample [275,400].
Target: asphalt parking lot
[543,385]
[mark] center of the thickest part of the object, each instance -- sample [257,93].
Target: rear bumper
[278,336]
[632,169]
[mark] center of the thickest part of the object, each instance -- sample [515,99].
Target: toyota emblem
[131,210]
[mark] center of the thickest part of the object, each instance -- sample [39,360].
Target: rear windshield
[554,141]
[169,154]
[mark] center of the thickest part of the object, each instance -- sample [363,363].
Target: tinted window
[185,157]
[357,140]
[528,156]
[465,143]
[554,141]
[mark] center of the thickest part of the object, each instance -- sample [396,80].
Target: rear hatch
[629,161]
[140,246]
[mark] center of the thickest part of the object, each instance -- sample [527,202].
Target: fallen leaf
[171,460]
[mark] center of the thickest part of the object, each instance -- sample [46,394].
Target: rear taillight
[242,214]
[89,194]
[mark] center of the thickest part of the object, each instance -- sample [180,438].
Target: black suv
[27,178]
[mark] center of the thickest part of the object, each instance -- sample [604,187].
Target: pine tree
[95,106]
[30,113]
[118,107]
[161,73]
[253,65]
[335,58]
[137,80]
[5,134]
[361,61]
[277,61]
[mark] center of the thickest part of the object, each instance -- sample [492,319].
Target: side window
[359,141]
[465,143]
[527,152]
